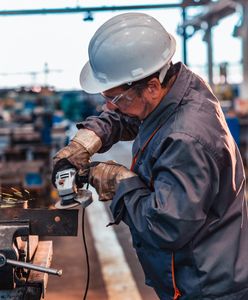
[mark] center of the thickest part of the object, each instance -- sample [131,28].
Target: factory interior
[40,105]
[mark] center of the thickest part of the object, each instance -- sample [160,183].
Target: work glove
[105,177]
[78,152]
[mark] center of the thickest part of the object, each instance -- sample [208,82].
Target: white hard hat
[126,48]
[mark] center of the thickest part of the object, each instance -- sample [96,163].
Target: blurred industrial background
[43,48]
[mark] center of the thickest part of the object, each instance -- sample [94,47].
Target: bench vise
[24,260]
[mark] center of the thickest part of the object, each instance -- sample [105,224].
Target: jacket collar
[165,108]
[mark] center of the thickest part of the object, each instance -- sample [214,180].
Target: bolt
[2,260]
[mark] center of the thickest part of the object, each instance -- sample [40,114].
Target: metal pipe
[208,40]
[25,265]
[184,36]
[244,36]
[69,10]
[33,267]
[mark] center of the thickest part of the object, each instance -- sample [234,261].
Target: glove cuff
[87,138]
[124,173]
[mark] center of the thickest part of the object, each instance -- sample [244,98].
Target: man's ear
[154,87]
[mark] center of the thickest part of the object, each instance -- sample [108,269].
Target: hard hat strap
[163,71]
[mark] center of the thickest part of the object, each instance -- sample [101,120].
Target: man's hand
[78,152]
[75,153]
[105,177]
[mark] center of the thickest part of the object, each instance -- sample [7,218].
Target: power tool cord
[86,254]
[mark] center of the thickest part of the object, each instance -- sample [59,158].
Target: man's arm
[95,134]
[111,127]
[186,181]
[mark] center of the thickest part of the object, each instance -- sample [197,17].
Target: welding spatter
[15,263]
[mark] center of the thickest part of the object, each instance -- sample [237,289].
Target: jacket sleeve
[111,127]
[186,180]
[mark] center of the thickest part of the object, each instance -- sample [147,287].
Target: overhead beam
[205,21]
[243,34]
[71,10]
[213,12]
[186,3]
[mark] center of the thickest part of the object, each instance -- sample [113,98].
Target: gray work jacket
[186,208]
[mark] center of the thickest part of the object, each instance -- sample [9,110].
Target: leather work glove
[78,152]
[105,177]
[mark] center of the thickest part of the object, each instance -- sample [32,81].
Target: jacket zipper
[177,293]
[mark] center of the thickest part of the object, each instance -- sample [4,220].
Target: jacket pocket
[158,268]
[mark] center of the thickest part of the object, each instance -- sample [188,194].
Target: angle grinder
[71,195]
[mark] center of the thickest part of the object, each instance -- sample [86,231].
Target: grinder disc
[71,205]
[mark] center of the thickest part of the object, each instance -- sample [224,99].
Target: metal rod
[244,37]
[33,267]
[210,53]
[184,36]
[69,10]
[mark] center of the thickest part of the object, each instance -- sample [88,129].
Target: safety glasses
[124,95]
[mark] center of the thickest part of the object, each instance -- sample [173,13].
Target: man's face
[129,102]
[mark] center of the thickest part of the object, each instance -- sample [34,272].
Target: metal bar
[208,35]
[244,36]
[44,222]
[30,266]
[184,36]
[70,10]
[213,12]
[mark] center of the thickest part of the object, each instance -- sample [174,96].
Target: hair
[142,83]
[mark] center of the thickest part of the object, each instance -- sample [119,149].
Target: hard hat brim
[90,84]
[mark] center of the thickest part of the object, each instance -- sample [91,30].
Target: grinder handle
[82,175]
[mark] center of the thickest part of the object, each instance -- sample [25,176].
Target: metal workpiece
[43,222]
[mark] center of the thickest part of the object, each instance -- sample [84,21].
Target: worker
[184,196]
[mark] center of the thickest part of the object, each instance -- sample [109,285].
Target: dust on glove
[105,177]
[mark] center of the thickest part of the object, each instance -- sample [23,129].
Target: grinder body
[70,195]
